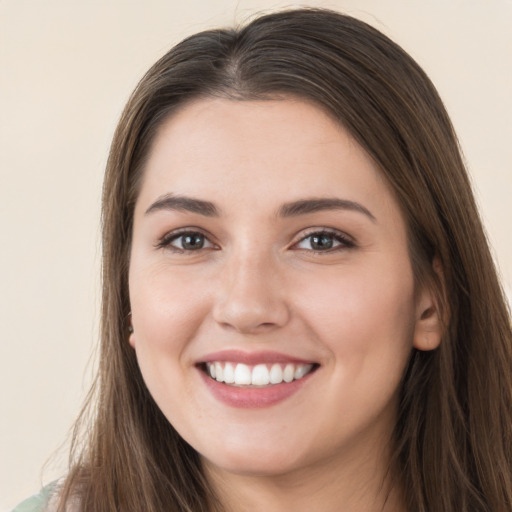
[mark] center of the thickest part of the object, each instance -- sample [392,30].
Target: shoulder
[38,502]
[45,501]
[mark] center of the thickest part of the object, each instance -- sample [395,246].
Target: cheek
[167,312]
[361,310]
[166,308]
[366,322]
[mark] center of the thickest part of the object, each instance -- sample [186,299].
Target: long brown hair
[453,436]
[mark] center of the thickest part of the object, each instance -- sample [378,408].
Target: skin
[257,285]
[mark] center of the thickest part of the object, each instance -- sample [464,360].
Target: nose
[251,298]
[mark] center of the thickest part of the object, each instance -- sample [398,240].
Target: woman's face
[268,252]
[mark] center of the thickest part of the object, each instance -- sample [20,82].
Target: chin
[255,462]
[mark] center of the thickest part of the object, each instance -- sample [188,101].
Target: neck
[356,484]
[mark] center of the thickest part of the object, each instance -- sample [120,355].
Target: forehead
[258,153]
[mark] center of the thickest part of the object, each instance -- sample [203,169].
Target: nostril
[246,315]
[267,325]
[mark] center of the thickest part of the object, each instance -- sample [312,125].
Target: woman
[300,310]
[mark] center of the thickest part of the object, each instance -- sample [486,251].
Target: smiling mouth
[256,376]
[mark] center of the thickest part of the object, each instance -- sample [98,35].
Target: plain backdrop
[66,70]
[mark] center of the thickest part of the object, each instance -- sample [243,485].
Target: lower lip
[252,398]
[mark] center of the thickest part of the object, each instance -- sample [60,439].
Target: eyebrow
[184,204]
[291,209]
[305,206]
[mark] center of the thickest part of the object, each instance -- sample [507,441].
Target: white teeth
[219,372]
[259,375]
[242,374]
[229,373]
[276,374]
[302,370]
[289,372]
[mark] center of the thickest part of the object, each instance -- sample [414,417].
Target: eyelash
[343,240]
[166,241]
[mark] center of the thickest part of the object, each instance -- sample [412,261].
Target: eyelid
[165,242]
[346,241]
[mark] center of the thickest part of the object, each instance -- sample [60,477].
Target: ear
[131,340]
[131,337]
[430,322]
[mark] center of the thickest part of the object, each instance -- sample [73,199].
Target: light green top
[36,503]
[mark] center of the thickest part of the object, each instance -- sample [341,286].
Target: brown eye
[190,241]
[185,241]
[324,241]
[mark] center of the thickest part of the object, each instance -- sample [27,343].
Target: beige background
[66,69]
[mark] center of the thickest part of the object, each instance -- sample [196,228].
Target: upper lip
[253,358]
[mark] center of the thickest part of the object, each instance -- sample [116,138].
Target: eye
[324,241]
[185,241]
